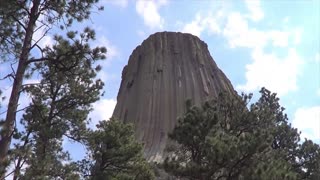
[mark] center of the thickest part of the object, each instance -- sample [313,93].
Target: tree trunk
[9,124]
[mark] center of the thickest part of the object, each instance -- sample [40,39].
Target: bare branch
[19,22]
[44,34]
[8,76]
[38,28]
[22,109]
[39,60]
[8,175]
[17,110]
[41,50]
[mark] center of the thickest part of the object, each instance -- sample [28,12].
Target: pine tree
[228,138]
[19,21]
[113,153]
[59,108]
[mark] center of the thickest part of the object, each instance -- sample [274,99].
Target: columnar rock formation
[162,73]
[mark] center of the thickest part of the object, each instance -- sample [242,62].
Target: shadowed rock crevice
[162,73]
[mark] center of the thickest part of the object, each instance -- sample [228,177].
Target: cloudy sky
[271,43]
[256,43]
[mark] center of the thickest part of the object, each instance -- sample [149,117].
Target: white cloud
[195,27]
[213,22]
[238,33]
[278,74]
[119,3]
[279,38]
[235,28]
[200,23]
[308,121]
[254,7]
[102,110]
[149,11]
[273,72]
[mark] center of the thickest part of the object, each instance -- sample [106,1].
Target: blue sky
[271,43]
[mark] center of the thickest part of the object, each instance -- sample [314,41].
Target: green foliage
[113,153]
[62,99]
[59,108]
[11,32]
[14,27]
[229,139]
[309,160]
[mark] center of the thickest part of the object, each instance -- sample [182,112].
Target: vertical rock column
[162,73]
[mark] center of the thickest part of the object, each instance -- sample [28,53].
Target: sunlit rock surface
[162,73]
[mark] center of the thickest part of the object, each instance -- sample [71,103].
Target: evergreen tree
[59,104]
[229,139]
[59,108]
[62,99]
[113,153]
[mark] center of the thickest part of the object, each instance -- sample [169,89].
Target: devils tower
[163,72]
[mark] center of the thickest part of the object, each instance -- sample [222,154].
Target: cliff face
[162,73]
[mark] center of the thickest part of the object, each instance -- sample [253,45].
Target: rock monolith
[163,72]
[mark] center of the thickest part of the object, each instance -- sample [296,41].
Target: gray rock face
[162,73]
